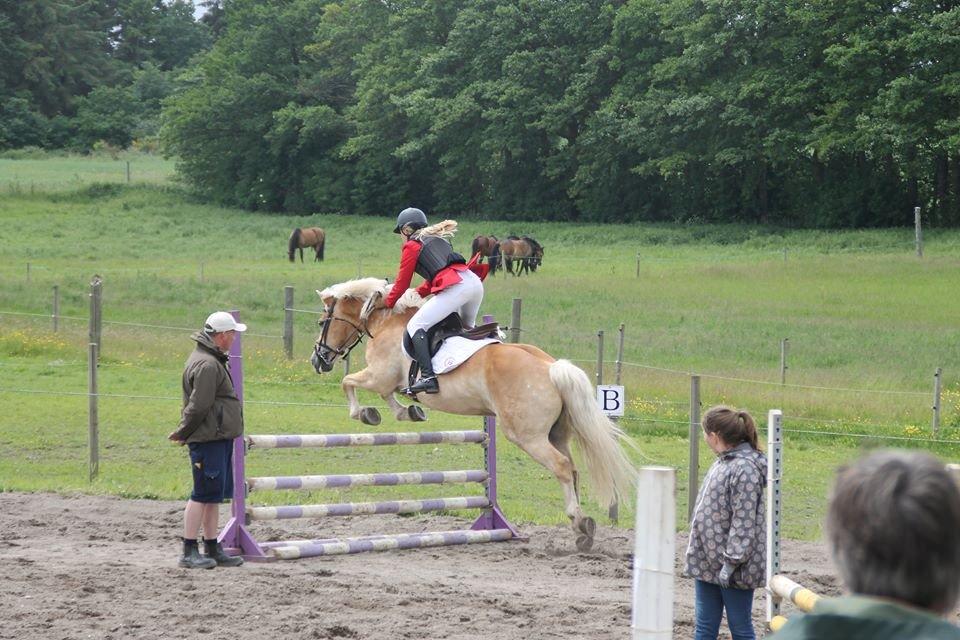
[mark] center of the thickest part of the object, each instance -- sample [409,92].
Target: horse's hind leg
[560,464]
[560,438]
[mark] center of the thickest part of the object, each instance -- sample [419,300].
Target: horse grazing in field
[526,252]
[483,245]
[306,237]
[540,402]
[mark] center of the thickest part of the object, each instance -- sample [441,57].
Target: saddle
[449,327]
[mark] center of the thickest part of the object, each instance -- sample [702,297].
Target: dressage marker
[491,526]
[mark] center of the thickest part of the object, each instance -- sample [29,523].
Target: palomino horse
[539,402]
[306,237]
[483,245]
[525,251]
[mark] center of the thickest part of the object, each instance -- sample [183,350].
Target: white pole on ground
[653,554]
[774,507]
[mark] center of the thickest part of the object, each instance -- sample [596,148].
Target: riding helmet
[411,216]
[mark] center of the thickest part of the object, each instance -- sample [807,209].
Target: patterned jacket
[729,522]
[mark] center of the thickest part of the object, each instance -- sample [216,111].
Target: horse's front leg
[365,380]
[401,412]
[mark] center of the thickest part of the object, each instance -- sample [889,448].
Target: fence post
[694,480]
[638,264]
[128,172]
[784,347]
[918,231]
[346,365]
[288,321]
[93,434]
[600,356]
[201,273]
[774,507]
[784,254]
[653,555]
[619,355]
[56,308]
[937,378]
[96,314]
[28,273]
[515,321]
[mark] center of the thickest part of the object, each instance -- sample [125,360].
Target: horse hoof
[584,543]
[588,527]
[369,415]
[416,413]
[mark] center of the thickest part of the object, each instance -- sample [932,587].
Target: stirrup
[423,385]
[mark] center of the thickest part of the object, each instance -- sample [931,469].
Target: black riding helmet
[411,216]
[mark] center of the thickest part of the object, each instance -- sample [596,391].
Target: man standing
[212,417]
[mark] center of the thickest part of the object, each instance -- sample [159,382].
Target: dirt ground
[98,567]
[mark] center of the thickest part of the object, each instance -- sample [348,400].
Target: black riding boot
[192,559]
[213,550]
[428,380]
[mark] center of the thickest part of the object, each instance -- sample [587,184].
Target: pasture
[867,321]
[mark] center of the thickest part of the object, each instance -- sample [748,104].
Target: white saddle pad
[455,351]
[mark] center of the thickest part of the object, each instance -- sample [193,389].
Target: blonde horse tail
[612,477]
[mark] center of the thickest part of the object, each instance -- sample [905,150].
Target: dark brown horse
[483,245]
[526,252]
[306,237]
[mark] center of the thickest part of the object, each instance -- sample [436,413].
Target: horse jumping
[540,402]
[306,237]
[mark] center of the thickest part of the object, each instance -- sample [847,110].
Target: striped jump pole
[490,526]
[783,587]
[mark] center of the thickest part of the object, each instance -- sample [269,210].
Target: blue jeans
[711,600]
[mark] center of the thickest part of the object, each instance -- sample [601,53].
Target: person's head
[893,525]
[222,329]
[725,428]
[409,221]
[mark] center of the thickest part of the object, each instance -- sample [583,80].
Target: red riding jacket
[447,276]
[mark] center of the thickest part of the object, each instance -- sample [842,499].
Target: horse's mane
[533,243]
[366,289]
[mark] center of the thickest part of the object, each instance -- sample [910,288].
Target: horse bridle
[357,336]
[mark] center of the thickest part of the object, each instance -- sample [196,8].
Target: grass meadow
[867,321]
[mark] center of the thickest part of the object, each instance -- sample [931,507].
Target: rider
[456,285]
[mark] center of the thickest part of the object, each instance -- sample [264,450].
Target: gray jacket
[211,409]
[729,522]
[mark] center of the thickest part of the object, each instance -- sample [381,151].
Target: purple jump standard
[491,526]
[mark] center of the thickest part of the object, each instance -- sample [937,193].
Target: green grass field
[867,322]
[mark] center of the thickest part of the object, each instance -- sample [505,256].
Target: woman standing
[727,551]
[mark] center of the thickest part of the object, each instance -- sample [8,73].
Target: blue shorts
[212,470]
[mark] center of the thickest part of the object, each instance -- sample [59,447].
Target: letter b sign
[611,399]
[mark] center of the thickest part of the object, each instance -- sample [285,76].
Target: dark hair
[894,529]
[733,426]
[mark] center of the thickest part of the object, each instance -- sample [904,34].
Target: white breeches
[463,298]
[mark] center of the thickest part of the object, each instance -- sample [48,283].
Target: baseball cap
[220,321]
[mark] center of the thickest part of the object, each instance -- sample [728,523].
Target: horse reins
[343,352]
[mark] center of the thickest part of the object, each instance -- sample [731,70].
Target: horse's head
[346,307]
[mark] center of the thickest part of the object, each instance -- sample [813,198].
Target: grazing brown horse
[483,245]
[306,237]
[540,403]
[526,252]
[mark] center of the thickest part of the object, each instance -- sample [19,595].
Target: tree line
[78,73]
[830,113]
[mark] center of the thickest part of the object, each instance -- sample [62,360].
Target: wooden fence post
[96,314]
[56,308]
[937,378]
[288,321]
[694,480]
[93,433]
[515,321]
[619,355]
[600,356]
[784,347]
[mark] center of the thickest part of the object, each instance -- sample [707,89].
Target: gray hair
[894,529]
